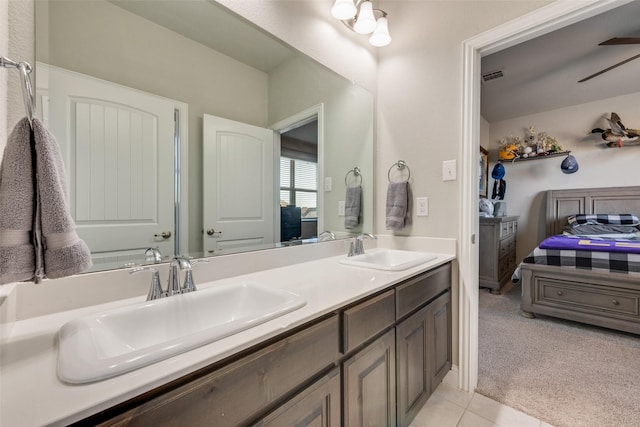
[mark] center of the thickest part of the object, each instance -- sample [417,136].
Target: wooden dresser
[497,251]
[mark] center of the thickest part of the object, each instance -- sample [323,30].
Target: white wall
[419,99]
[600,166]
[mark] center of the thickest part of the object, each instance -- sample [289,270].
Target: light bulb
[344,10]
[366,22]
[380,36]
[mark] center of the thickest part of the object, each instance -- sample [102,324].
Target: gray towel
[39,238]
[353,201]
[17,253]
[64,252]
[398,205]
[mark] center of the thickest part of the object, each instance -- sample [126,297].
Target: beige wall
[225,87]
[599,166]
[299,84]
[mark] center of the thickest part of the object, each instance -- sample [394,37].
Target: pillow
[602,231]
[617,219]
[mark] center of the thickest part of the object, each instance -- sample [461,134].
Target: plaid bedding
[620,262]
[619,219]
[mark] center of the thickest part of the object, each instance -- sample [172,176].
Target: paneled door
[118,148]
[238,182]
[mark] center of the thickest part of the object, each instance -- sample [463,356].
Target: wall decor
[483,172]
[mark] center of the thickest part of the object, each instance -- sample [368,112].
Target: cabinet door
[439,321]
[317,406]
[370,385]
[414,384]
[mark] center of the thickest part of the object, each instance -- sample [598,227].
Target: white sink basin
[389,259]
[107,344]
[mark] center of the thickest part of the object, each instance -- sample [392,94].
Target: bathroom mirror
[139,178]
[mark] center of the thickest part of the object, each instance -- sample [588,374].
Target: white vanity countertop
[31,393]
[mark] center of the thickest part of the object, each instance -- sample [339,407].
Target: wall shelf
[546,156]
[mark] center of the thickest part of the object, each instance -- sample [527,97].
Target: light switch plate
[422,206]
[341,208]
[328,183]
[449,170]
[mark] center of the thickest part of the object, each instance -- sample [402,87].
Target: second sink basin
[389,259]
[110,343]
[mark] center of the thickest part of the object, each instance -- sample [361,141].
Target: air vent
[492,75]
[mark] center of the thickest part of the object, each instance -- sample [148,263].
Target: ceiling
[542,74]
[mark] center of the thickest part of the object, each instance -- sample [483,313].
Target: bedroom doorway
[541,21]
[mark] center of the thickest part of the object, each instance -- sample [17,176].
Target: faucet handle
[155,290]
[189,284]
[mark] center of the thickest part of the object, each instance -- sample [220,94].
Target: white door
[238,182]
[118,145]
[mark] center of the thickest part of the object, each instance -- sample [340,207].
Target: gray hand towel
[353,201]
[398,205]
[64,252]
[17,253]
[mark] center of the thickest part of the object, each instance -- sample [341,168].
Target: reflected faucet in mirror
[153,254]
[326,235]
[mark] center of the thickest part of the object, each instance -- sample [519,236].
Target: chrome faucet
[173,284]
[326,235]
[189,284]
[356,246]
[153,254]
[155,290]
[181,263]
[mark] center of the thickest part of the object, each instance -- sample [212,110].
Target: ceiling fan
[611,42]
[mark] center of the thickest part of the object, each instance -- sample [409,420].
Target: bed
[584,290]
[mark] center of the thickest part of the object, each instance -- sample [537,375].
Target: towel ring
[400,164]
[356,173]
[27,90]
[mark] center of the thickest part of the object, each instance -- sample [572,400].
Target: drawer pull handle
[559,293]
[615,302]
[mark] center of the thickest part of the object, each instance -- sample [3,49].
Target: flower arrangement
[533,144]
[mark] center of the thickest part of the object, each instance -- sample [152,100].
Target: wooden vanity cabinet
[373,362]
[236,393]
[423,343]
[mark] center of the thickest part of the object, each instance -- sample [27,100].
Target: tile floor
[449,406]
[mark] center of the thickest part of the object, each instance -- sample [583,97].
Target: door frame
[536,23]
[299,119]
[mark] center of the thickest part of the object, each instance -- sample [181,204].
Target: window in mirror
[299,186]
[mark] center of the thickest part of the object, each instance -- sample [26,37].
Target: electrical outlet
[449,170]
[328,183]
[341,208]
[422,206]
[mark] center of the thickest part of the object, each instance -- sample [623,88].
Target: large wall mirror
[188,129]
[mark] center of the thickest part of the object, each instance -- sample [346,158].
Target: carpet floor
[565,373]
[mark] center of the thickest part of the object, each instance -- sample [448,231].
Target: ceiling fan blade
[620,40]
[609,68]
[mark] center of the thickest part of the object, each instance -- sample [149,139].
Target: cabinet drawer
[235,393]
[507,245]
[417,291]
[588,298]
[508,228]
[367,319]
[318,405]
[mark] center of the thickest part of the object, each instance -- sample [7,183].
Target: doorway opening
[299,182]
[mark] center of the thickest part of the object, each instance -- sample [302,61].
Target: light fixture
[361,17]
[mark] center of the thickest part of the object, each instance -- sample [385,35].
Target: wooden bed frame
[601,298]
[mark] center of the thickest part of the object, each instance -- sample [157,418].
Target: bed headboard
[607,200]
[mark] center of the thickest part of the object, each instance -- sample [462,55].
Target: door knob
[211,232]
[164,235]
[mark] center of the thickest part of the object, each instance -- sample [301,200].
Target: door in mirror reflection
[238,186]
[117,145]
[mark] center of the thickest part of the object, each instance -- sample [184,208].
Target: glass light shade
[344,9]
[366,22]
[380,36]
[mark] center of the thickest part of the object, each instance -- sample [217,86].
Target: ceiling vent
[492,75]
